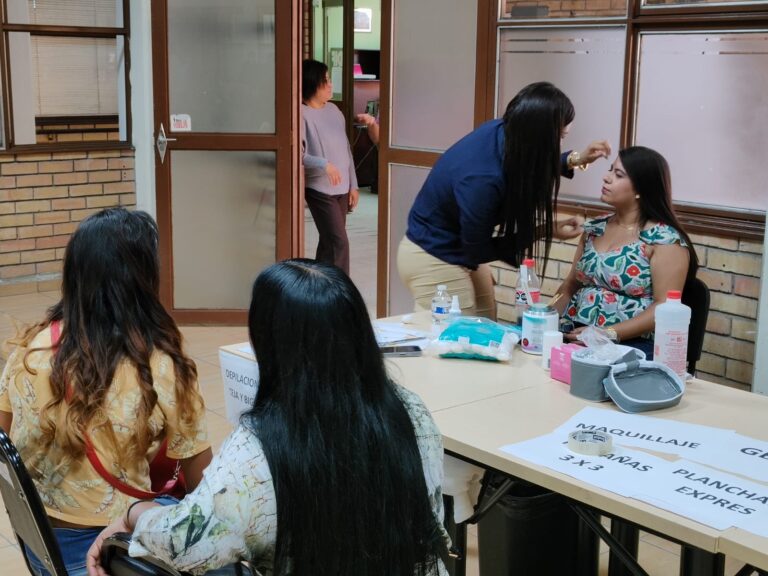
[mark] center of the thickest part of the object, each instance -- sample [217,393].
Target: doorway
[346,36]
[225,109]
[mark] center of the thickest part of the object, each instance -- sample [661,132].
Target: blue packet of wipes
[476,338]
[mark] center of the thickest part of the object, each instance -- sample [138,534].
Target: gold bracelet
[612,335]
[574,161]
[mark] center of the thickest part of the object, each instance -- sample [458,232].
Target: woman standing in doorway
[491,196]
[331,184]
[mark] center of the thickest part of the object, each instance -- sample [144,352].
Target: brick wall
[42,199]
[50,133]
[730,267]
[564,8]
[579,8]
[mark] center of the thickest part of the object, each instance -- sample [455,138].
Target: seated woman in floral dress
[627,261]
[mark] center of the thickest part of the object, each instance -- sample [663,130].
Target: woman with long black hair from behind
[335,471]
[104,369]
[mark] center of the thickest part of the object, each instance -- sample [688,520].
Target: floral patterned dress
[615,285]
[232,514]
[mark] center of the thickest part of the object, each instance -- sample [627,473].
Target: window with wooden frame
[64,74]
[687,78]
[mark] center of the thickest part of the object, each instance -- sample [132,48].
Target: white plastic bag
[601,347]
[475,338]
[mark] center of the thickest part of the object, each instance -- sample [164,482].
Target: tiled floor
[659,557]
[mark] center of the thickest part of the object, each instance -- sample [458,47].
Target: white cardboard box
[240,375]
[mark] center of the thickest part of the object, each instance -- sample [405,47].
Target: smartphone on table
[403,350]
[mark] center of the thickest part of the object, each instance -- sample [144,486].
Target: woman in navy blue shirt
[491,196]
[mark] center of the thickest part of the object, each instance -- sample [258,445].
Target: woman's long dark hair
[313,76]
[348,476]
[111,312]
[649,173]
[533,126]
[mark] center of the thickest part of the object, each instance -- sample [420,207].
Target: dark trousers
[330,214]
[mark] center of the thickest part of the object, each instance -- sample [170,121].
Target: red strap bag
[165,473]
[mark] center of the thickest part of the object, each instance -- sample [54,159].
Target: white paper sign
[709,496]
[181,123]
[241,382]
[739,454]
[718,447]
[657,434]
[620,471]
[692,490]
[757,524]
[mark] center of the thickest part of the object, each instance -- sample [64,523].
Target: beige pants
[421,272]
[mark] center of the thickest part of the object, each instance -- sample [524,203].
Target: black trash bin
[530,531]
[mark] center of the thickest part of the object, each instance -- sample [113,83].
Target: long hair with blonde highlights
[110,313]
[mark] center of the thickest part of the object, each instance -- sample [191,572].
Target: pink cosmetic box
[560,362]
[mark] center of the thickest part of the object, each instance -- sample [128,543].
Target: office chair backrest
[696,296]
[29,521]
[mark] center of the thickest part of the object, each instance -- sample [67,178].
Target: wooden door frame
[284,142]
[485,84]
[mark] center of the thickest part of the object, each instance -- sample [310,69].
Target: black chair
[696,296]
[29,521]
[31,526]
[117,562]
[748,570]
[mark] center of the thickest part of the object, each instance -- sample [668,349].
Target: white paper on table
[711,520]
[621,471]
[667,436]
[706,495]
[740,454]
[686,488]
[391,333]
[757,524]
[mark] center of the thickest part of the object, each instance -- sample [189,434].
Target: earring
[637,196]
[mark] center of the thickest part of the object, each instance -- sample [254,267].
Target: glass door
[226,106]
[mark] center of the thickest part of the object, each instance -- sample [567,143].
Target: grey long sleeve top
[324,139]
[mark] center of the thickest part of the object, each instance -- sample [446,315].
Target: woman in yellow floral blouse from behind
[116,376]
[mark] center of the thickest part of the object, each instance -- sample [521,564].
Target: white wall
[142,108]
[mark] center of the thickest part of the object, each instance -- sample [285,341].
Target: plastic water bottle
[527,283]
[455,312]
[441,305]
[670,342]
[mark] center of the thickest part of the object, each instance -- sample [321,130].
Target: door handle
[161,142]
